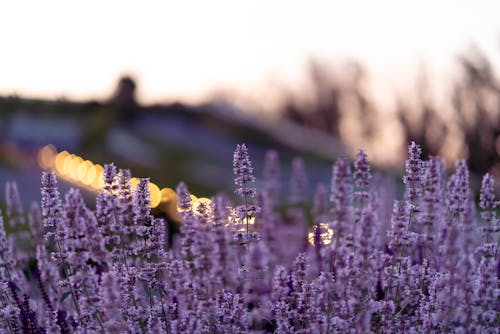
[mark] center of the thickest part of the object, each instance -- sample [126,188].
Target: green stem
[66,276]
[162,304]
[400,311]
[143,330]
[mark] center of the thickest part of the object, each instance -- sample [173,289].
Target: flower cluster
[424,263]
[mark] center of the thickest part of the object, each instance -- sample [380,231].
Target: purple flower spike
[488,204]
[242,168]
[14,206]
[51,201]
[414,171]
[142,203]
[362,174]
[109,178]
[183,198]
[399,234]
[341,196]
[298,182]
[271,175]
[487,196]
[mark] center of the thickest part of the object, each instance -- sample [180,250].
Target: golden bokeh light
[90,176]
[59,161]
[241,224]
[249,219]
[73,168]
[66,165]
[202,200]
[98,182]
[193,200]
[155,194]
[133,183]
[168,204]
[85,173]
[325,234]
[167,195]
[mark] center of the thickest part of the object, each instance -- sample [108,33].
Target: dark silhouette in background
[124,98]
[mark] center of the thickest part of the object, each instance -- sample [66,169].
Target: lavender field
[356,258]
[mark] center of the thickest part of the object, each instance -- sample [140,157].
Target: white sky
[188,49]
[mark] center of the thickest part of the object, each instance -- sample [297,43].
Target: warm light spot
[90,173]
[325,234]
[133,183]
[77,170]
[46,157]
[73,168]
[59,161]
[83,170]
[238,223]
[167,195]
[249,219]
[193,200]
[155,194]
[168,204]
[202,200]
[98,181]
[66,169]
[154,191]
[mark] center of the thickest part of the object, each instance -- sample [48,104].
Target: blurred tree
[423,123]
[475,110]
[323,111]
[331,97]
[476,104]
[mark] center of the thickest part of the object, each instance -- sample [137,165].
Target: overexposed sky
[189,49]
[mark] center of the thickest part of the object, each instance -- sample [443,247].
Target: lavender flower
[487,296]
[458,195]
[109,177]
[51,202]
[487,196]
[14,206]
[7,260]
[362,195]
[112,269]
[271,175]
[320,201]
[489,203]
[432,201]
[35,222]
[362,175]
[341,196]
[400,236]
[184,198]
[142,203]
[242,168]
[414,172]
[125,196]
[298,182]
[111,303]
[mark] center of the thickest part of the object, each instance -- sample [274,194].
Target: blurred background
[168,88]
